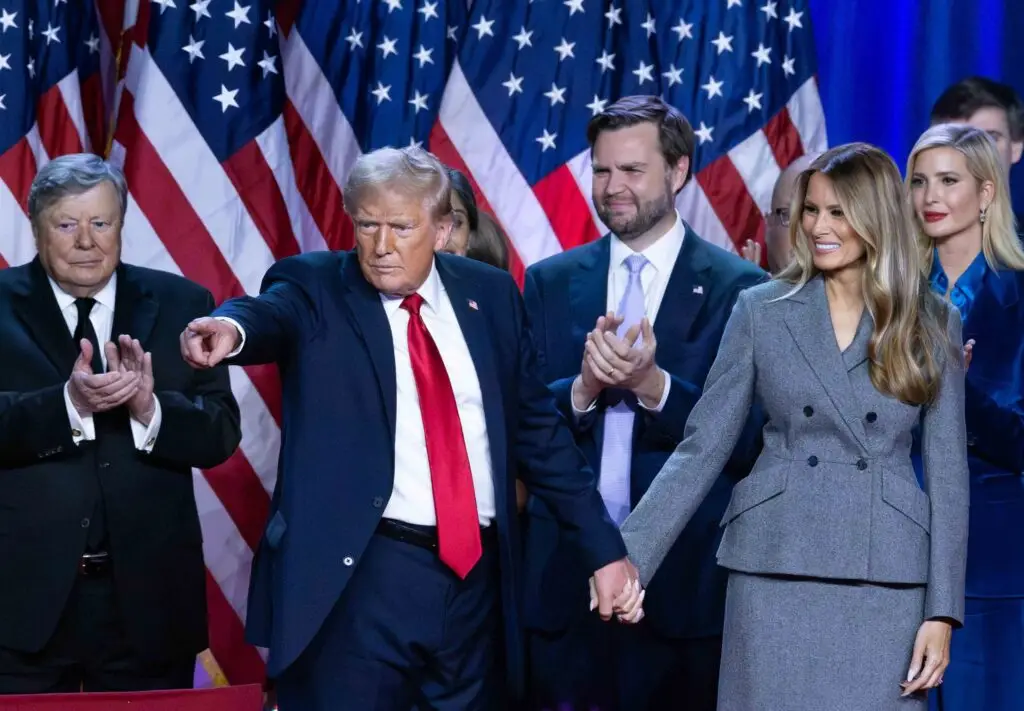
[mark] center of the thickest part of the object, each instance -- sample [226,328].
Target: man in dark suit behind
[388,574]
[101,423]
[628,406]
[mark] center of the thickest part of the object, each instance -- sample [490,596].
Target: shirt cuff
[145,437]
[572,400]
[241,332]
[664,395]
[82,428]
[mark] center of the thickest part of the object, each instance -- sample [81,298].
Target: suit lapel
[135,309]
[690,281]
[371,323]
[810,324]
[588,288]
[36,307]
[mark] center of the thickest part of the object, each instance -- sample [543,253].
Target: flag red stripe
[732,203]
[56,127]
[255,184]
[238,488]
[560,197]
[111,16]
[18,170]
[783,138]
[316,184]
[94,112]
[240,662]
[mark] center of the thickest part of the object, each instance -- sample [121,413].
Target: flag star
[233,57]
[753,101]
[574,6]
[93,43]
[393,5]
[793,19]
[451,33]
[2,104]
[547,140]
[704,133]
[674,76]
[734,3]
[607,61]
[713,88]
[7,19]
[565,49]
[4,64]
[762,55]
[614,16]
[31,66]
[201,8]
[226,98]
[270,24]
[239,14]
[413,143]
[597,105]
[787,65]
[51,34]
[648,24]
[523,38]
[769,10]
[354,39]
[683,29]
[31,28]
[267,64]
[419,102]
[483,27]
[514,84]
[383,93]
[58,2]
[423,56]
[556,95]
[194,49]
[388,46]
[643,72]
[429,10]
[164,4]
[723,42]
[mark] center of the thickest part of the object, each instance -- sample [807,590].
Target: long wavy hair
[999,241]
[909,336]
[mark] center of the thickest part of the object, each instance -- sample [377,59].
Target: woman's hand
[930,657]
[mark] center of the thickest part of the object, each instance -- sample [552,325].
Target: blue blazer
[995,437]
[564,295]
[325,325]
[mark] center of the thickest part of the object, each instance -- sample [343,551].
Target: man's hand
[206,341]
[588,386]
[615,588]
[91,392]
[128,357]
[751,251]
[618,364]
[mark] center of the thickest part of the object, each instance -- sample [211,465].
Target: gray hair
[408,168]
[72,174]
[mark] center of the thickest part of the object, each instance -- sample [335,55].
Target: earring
[984,216]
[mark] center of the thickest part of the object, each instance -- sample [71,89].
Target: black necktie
[85,330]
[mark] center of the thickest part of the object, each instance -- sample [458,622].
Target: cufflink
[75,432]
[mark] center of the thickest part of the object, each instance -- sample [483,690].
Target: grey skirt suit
[836,554]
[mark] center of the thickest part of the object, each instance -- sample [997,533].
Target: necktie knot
[412,304]
[635,263]
[84,306]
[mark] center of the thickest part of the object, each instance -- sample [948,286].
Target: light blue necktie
[617,446]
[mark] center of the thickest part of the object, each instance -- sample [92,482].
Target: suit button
[85,523]
[378,501]
[75,432]
[861,464]
[808,411]
[812,461]
[871,417]
[104,465]
[347,560]
[971,439]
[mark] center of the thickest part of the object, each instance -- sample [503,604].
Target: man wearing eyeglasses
[776,236]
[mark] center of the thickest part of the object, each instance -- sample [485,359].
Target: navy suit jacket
[325,325]
[564,295]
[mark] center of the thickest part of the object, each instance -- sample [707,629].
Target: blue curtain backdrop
[882,63]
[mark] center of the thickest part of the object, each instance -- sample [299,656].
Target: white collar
[105,296]
[662,254]
[430,290]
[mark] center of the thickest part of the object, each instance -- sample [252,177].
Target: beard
[646,216]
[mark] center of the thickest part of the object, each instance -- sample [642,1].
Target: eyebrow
[833,206]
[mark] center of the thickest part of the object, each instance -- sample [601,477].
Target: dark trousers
[610,666]
[89,652]
[405,634]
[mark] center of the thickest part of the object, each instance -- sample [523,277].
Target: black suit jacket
[48,483]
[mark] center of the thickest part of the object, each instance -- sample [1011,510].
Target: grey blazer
[833,493]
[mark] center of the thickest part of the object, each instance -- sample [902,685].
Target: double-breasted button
[347,560]
[85,523]
[871,417]
[812,461]
[808,410]
[378,501]
[862,464]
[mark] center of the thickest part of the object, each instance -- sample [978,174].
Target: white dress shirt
[661,260]
[102,318]
[412,498]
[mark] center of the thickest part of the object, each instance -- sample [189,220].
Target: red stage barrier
[228,698]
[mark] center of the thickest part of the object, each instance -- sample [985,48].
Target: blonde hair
[909,320]
[999,241]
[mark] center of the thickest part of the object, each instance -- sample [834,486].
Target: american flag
[237,121]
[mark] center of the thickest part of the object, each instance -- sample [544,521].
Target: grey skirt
[805,644]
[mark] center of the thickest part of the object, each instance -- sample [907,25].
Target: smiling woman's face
[458,242]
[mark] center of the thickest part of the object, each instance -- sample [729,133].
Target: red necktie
[458,525]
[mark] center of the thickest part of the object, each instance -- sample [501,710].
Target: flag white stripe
[755,162]
[808,115]
[71,93]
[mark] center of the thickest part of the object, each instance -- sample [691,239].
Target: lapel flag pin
[698,289]
[472,305]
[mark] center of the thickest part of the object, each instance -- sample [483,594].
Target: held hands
[931,651]
[615,588]
[98,392]
[205,342]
